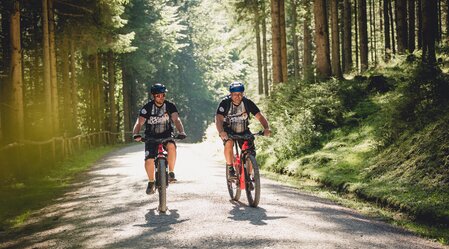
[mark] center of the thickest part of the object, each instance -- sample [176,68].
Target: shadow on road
[256,216]
[161,222]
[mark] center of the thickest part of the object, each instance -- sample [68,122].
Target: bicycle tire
[162,188]
[233,185]
[252,181]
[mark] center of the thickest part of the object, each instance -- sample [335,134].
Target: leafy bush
[301,116]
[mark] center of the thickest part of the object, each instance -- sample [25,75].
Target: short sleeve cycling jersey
[237,117]
[158,122]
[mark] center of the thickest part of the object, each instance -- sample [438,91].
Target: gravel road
[108,208]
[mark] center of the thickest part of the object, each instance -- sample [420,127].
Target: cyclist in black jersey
[159,116]
[232,117]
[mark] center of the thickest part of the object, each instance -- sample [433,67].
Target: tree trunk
[294,24]
[371,31]
[401,25]
[430,28]
[363,33]
[419,33]
[111,79]
[74,87]
[67,102]
[5,111]
[439,21]
[53,62]
[16,74]
[99,93]
[127,82]
[47,76]
[265,50]
[276,42]
[347,37]
[411,25]
[447,18]
[258,47]
[307,60]
[279,45]
[323,64]
[336,67]
[393,43]
[356,38]
[283,36]
[387,31]
[374,39]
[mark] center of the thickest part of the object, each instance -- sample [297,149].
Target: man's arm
[177,121]
[263,121]
[137,126]
[219,119]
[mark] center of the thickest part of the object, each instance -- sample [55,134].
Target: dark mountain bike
[246,171]
[161,169]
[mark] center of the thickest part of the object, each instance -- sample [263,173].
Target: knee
[171,147]
[229,144]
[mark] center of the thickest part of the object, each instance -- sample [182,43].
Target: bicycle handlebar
[162,140]
[245,136]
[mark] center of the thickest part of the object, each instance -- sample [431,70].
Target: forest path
[108,208]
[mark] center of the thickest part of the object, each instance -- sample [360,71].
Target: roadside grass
[438,233]
[20,198]
[393,183]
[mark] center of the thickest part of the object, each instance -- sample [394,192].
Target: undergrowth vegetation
[383,136]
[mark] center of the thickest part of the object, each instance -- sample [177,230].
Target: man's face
[237,97]
[159,98]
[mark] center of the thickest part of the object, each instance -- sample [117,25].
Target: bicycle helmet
[158,88]
[236,87]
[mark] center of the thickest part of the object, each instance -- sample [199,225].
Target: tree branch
[75,6]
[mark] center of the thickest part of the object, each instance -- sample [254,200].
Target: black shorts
[151,149]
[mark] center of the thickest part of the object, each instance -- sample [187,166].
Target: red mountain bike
[161,169]
[246,170]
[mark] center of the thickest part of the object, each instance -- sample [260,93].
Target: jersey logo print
[237,118]
[154,120]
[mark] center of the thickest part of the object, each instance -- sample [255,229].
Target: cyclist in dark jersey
[158,115]
[232,117]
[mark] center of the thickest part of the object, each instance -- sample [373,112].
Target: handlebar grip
[180,136]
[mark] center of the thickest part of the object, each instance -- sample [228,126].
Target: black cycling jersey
[237,117]
[158,119]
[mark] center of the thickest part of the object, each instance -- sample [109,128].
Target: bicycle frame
[161,170]
[239,162]
[161,154]
[246,169]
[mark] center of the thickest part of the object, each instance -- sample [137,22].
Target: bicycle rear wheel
[252,181]
[162,188]
[233,185]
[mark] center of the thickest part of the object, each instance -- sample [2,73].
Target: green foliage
[301,116]
[386,140]
[167,53]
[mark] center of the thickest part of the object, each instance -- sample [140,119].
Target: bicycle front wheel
[252,181]
[233,185]
[162,188]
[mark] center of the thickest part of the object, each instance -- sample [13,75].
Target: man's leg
[229,157]
[228,152]
[150,153]
[149,168]
[171,150]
